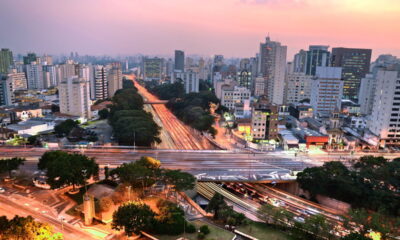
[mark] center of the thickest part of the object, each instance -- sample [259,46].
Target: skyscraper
[326,90]
[34,76]
[317,56]
[6,92]
[355,65]
[297,87]
[152,69]
[272,64]
[385,115]
[179,60]
[100,83]
[244,78]
[18,80]
[114,78]
[75,97]
[300,61]
[6,60]
[31,57]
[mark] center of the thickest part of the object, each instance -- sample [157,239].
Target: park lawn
[215,233]
[262,231]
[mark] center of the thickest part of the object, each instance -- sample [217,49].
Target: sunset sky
[233,28]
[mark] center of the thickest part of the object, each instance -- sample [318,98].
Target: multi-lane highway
[177,133]
[207,165]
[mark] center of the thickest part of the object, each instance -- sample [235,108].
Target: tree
[106,172]
[103,113]
[204,229]
[63,168]
[144,172]
[34,140]
[180,180]
[126,83]
[135,127]
[133,218]
[171,218]
[26,228]
[127,99]
[63,128]
[216,204]
[318,225]
[8,165]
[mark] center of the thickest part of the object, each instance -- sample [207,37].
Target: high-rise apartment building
[49,76]
[31,57]
[272,62]
[244,78]
[34,76]
[152,69]
[100,83]
[179,60]
[264,121]
[366,94]
[385,116]
[317,56]
[232,95]
[18,80]
[6,60]
[114,79]
[326,90]
[300,61]
[190,80]
[297,87]
[75,97]
[259,86]
[355,65]
[6,91]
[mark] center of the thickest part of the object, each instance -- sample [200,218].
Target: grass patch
[263,231]
[215,233]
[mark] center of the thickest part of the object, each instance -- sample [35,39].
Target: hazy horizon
[233,28]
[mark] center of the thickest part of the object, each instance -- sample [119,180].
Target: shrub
[190,228]
[201,236]
[204,229]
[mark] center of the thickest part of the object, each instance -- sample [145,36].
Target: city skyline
[233,28]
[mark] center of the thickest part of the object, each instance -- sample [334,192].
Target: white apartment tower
[99,84]
[75,97]
[326,90]
[298,87]
[34,73]
[114,79]
[18,80]
[272,65]
[385,117]
[366,94]
[232,95]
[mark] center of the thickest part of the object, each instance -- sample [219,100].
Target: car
[299,219]
[2,190]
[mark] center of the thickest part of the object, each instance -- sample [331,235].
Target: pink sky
[230,27]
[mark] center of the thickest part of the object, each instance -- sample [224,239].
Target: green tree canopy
[133,218]
[8,165]
[180,180]
[63,168]
[144,172]
[127,99]
[63,128]
[26,228]
[216,204]
[373,183]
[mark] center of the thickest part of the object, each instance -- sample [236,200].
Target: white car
[2,190]
[299,219]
